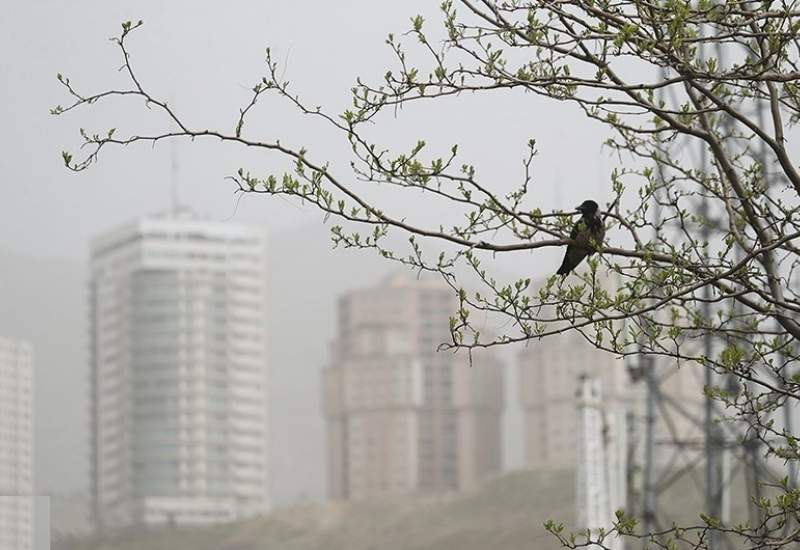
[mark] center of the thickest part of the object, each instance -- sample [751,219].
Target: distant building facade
[549,373]
[16,445]
[179,377]
[402,417]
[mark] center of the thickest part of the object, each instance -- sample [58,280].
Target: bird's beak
[578,208]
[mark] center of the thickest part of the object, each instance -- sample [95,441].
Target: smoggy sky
[203,57]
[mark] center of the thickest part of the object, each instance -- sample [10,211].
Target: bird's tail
[564,269]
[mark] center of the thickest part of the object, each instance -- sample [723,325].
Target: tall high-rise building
[402,417]
[16,445]
[179,378]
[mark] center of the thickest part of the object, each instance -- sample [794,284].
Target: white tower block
[601,473]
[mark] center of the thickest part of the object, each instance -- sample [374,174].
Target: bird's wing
[576,229]
[575,252]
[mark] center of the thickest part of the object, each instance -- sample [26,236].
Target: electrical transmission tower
[718,455]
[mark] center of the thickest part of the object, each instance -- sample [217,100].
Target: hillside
[506,514]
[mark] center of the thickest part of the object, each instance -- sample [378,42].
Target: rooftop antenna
[174,173]
[174,178]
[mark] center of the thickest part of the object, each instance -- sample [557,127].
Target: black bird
[588,233]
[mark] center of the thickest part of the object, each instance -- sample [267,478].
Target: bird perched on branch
[587,234]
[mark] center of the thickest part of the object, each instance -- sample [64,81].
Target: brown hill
[507,513]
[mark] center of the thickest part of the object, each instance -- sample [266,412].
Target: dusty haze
[206,55]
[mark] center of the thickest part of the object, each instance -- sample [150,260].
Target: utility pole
[716,487]
[649,482]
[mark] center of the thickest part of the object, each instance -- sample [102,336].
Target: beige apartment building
[402,417]
[549,372]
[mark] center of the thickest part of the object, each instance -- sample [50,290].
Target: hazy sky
[206,55]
